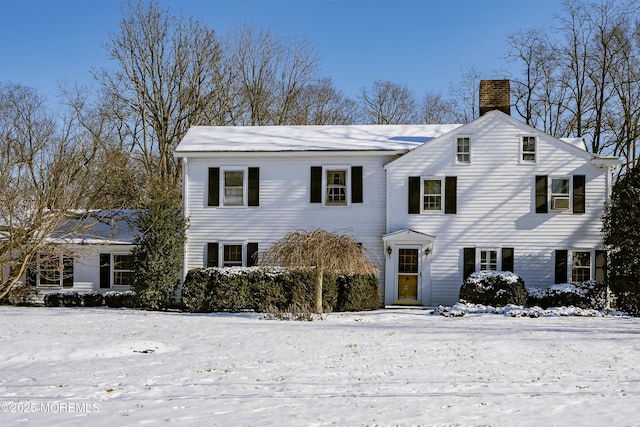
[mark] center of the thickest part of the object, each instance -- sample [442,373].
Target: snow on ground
[107,367]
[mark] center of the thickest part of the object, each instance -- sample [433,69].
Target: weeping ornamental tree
[320,251]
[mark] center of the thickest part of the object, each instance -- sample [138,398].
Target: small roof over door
[408,236]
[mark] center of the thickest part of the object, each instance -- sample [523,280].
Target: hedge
[263,289]
[586,295]
[495,288]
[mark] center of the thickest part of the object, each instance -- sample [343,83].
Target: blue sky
[422,44]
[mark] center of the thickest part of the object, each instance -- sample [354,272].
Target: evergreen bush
[93,299]
[62,299]
[494,288]
[20,295]
[115,299]
[267,289]
[586,295]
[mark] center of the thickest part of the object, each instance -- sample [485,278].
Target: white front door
[408,274]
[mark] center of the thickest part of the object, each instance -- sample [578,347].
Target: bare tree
[166,81]
[465,95]
[388,103]
[320,251]
[435,109]
[45,181]
[270,74]
[321,103]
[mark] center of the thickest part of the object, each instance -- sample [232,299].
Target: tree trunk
[318,285]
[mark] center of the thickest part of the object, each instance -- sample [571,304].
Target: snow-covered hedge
[20,295]
[586,295]
[494,288]
[263,289]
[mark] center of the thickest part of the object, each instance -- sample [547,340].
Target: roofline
[297,153]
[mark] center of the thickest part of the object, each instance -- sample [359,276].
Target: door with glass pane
[408,273]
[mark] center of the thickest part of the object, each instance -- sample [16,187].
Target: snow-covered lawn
[108,367]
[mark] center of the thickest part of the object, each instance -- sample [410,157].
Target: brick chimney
[495,95]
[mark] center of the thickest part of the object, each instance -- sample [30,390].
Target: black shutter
[507,259]
[212,254]
[414,194]
[450,197]
[601,266]
[469,262]
[67,272]
[578,194]
[541,194]
[562,257]
[252,254]
[254,187]
[356,184]
[105,271]
[213,192]
[316,184]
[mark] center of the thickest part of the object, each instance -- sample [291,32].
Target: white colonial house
[432,202]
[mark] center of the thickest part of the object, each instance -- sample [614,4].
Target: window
[463,152]
[489,260]
[494,259]
[336,191]
[122,269]
[529,149]
[580,266]
[233,188]
[232,256]
[432,195]
[560,194]
[336,185]
[53,270]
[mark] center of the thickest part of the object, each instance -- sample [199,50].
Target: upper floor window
[529,149]
[336,185]
[336,190]
[560,194]
[234,186]
[463,150]
[432,195]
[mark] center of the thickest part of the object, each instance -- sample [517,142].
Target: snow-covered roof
[576,142]
[107,226]
[308,138]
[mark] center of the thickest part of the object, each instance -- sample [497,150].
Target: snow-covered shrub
[264,289]
[63,299]
[115,299]
[628,302]
[93,299]
[495,288]
[585,295]
[20,295]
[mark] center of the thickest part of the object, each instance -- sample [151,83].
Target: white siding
[496,202]
[284,203]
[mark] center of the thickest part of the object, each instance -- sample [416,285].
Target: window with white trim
[432,194]
[580,266]
[560,194]
[489,259]
[232,256]
[53,271]
[528,148]
[122,269]
[233,187]
[463,149]
[336,187]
